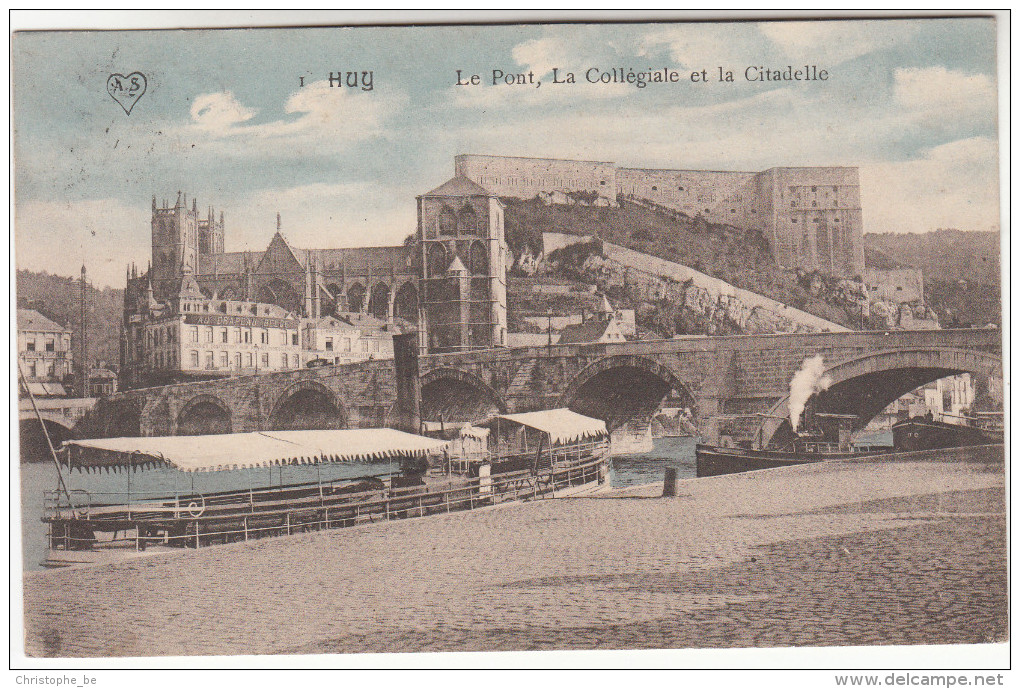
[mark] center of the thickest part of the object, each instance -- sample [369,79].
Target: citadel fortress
[199,310]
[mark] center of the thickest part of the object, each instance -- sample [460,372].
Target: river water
[628,470]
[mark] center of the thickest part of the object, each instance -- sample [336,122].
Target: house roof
[459,186]
[30,319]
[589,331]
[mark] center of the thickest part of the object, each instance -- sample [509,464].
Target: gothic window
[468,220]
[478,260]
[447,222]
[436,260]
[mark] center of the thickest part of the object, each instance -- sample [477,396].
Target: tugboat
[925,433]
[829,438]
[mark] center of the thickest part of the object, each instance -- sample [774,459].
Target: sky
[225,120]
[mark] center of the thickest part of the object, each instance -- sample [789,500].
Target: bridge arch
[204,415]
[456,395]
[866,385]
[33,447]
[617,389]
[307,405]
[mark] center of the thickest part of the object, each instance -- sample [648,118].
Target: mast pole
[46,433]
[84,337]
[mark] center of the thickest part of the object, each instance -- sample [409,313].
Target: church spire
[279,224]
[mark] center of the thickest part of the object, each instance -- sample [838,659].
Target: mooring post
[669,485]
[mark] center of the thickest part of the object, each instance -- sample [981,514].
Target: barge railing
[198,519]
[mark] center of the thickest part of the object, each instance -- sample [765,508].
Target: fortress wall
[711,194]
[817,223]
[525,178]
[811,216]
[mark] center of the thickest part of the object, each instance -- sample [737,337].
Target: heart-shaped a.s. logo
[126,90]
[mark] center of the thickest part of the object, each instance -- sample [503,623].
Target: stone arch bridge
[724,380]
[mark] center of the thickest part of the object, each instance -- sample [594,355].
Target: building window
[223,336]
[49,345]
[264,336]
[364,346]
[293,337]
[194,359]
[251,359]
[265,360]
[237,335]
[224,360]
[194,334]
[329,344]
[210,363]
[295,361]
[347,344]
[283,361]
[237,360]
[30,346]
[247,337]
[655,188]
[208,334]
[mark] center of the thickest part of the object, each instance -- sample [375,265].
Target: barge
[832,443]
[528,457]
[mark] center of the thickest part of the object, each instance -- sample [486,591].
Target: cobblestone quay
[880,552]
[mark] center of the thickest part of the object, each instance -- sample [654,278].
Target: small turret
[178,204]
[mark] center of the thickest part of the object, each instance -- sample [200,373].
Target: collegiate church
[201,311]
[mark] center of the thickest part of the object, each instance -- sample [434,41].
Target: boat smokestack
[809,380]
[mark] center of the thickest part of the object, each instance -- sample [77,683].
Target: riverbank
[862,552]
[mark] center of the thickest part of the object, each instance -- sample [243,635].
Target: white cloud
[953,185]
[944,93]
[828,43]
[541,55]
[219,111]
[104,234]
[321,119]
[704,46]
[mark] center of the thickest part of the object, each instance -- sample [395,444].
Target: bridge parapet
[722,375]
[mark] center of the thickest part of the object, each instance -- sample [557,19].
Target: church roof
[459,186]
[225,264]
